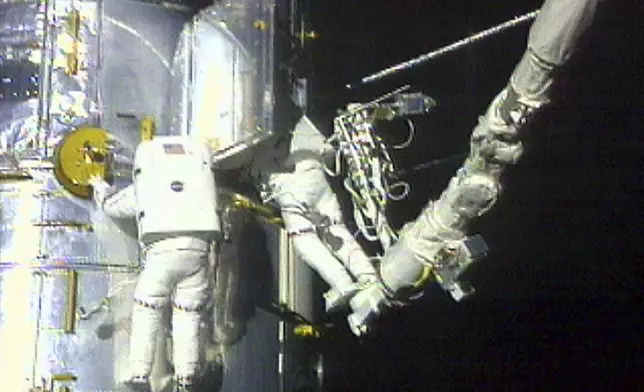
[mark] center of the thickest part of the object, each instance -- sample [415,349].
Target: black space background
[559,303]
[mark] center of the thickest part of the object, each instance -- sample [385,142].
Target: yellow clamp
[306,331]
[428,271]
[147,128]
[241,202]
[260,25]
[73,24]
[58,378]
[74,225]
[65,377]
[308,35]
[71,299]
[424,278]
[14,176]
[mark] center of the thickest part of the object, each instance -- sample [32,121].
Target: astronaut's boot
[146,319]
[186,320]
[184,384]
[335,299]
[137,384]
[366,306]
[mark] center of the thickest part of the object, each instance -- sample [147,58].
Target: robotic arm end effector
[404,274]
[456,260]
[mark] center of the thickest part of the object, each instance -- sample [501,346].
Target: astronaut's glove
[95,181]
[335,299]
[101,189]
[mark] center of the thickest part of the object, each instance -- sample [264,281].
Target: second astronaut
[173,199]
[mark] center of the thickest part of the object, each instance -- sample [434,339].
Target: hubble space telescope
[82,83]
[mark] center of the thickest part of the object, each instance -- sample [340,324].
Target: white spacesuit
[313,218]
[174,202]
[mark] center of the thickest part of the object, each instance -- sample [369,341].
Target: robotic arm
[435,244]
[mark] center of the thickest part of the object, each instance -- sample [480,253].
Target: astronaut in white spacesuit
[313,218]
[174,202]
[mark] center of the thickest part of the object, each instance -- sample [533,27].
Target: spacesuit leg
[342,243]
[297,194]
[318,256]
[307,150]
[495,143]
[191,296]
[151,296]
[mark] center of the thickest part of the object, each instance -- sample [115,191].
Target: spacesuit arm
[121,204]
[116,204]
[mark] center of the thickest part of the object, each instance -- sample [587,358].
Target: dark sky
[559,303]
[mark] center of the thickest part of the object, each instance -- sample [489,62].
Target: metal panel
[85,353]
[60,244]
[70,64]
[246,276]
[58,207]
[21,207]
[297,283]
[19,302]
[42,338]
[251,365]
[117,72]
[138,40]
[74,63]
[222,89]
[269,357]
[16,212]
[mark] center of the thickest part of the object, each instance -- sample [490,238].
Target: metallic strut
[71,298]
[449,48]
